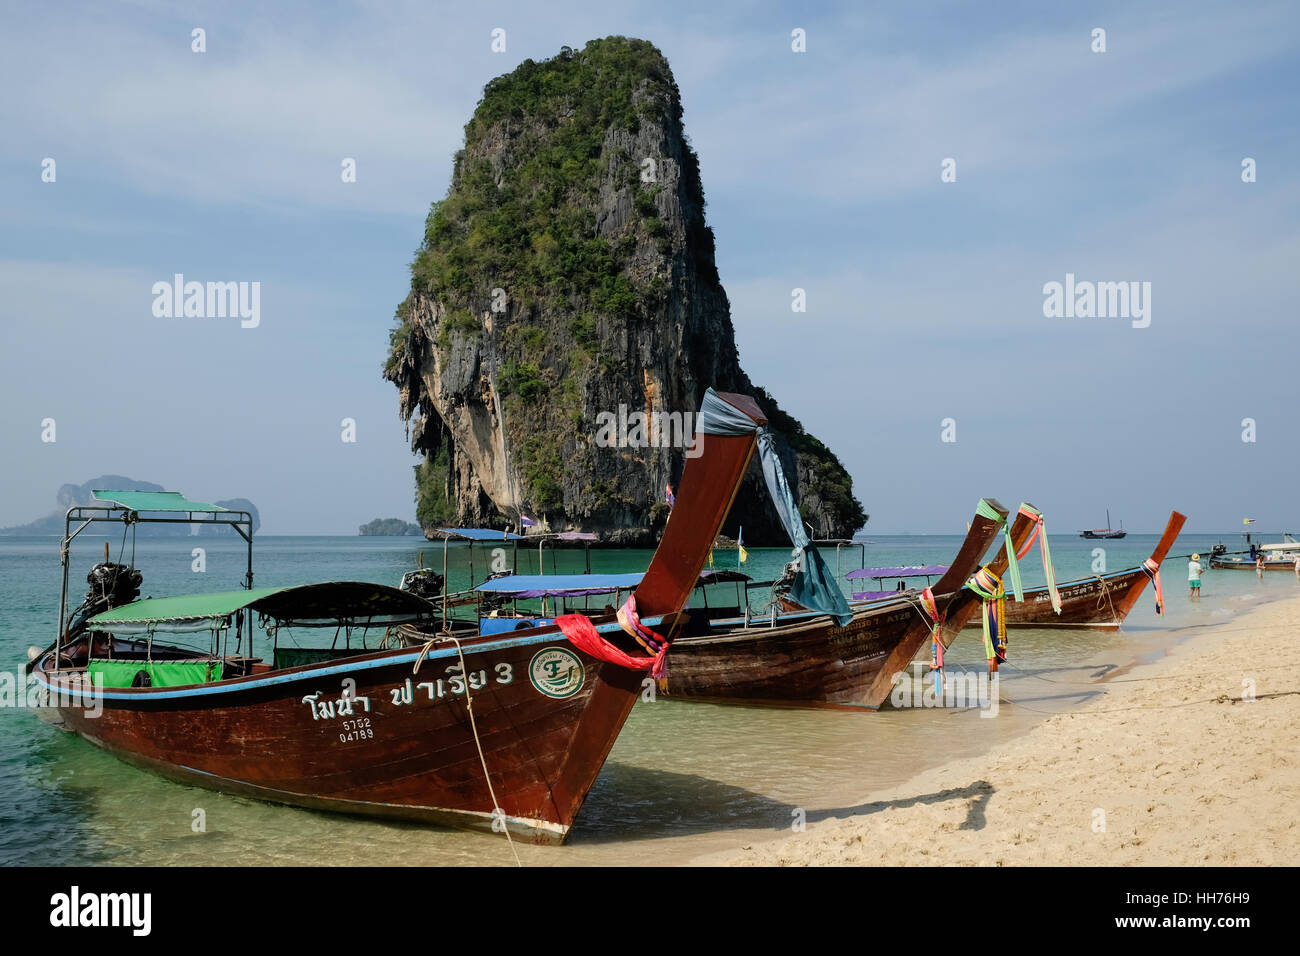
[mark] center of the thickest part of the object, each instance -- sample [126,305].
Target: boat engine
[425,583]
[110,585]
[489,602]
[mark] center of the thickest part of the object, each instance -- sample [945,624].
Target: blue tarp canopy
[557,585]
[480,534]
[523,586]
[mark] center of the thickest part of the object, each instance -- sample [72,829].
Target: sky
[823,171]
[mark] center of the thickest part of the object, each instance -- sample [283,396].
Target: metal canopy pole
[65,550]
[445,582]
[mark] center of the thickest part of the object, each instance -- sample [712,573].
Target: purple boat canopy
[920,570]
[876,595]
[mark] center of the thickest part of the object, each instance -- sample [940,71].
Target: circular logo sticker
[556,672]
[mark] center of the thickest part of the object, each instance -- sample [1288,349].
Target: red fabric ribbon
[583,635]
[936,653]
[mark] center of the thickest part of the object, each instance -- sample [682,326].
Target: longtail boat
[1277,557]
[449,727]
[793,656]
[1101,601]
[801,658]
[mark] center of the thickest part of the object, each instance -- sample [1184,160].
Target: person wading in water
[1194,570]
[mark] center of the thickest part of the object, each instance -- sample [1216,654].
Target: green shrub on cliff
[532,232]
[434,508]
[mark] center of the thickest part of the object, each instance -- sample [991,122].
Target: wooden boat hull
[1102,601]
[807,660]
[1227,564]
[805,663]
[407,752]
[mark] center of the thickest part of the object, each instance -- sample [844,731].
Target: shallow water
[683,779]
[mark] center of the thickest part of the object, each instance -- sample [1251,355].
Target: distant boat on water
[1106,532]
[1277,557]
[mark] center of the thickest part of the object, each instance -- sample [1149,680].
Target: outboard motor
[425,583]
[110,585]
[489,602]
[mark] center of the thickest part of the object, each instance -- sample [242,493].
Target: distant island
[71,495]
[391,527]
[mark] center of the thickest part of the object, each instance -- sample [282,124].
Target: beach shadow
[978,792]
[660,804]
[1036,702]
[1092,671]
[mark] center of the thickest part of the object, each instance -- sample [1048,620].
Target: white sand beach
[1170,767]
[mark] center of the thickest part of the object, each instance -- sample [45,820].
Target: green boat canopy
[185,609]
[155,501]
[309,605]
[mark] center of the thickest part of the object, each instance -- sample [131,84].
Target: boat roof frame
[113,511]
[349,604]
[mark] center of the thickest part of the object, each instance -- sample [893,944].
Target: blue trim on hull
[240,684]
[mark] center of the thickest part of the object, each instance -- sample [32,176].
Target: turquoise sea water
[683,779]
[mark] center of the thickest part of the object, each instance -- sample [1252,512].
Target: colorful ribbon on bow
[1152,569]
[989,587]
[583,635]
[936,651]
[1013,557]
[656,644]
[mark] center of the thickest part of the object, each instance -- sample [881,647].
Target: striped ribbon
[936,651]
[656,644]
[1013,557]
[985,510]
[989,587]
[1152,570]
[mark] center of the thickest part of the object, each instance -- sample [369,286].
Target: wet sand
[1173,765]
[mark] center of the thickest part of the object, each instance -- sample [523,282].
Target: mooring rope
[473,726]
[1105,593]
[1221,699]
